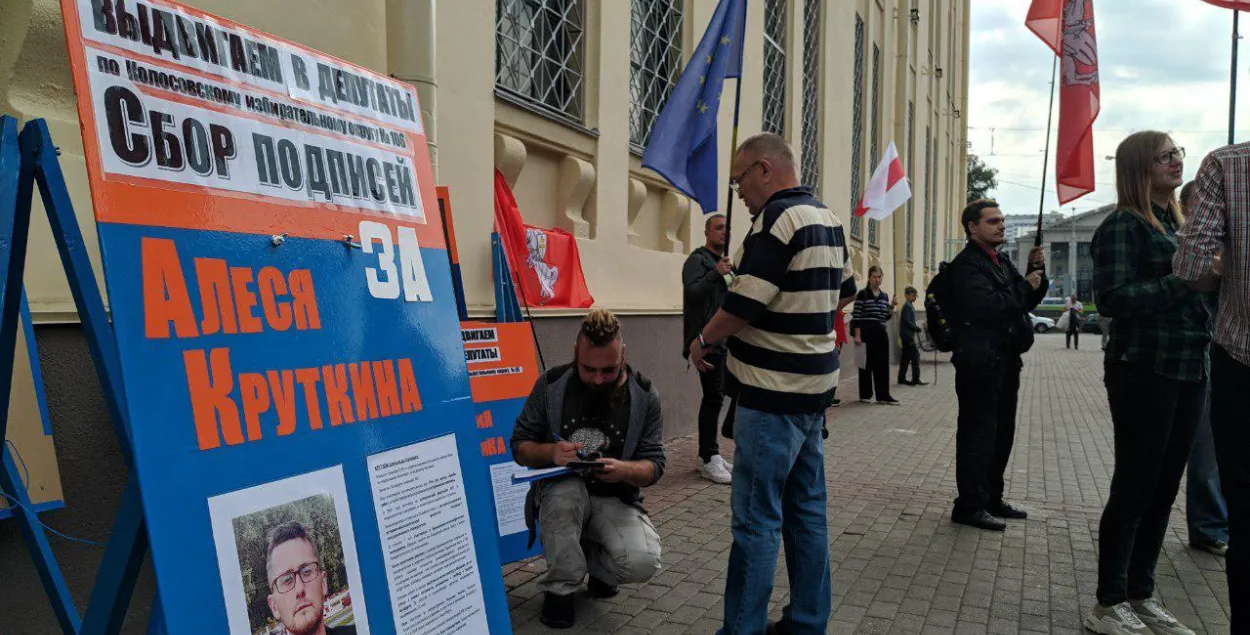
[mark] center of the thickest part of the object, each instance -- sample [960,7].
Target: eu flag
[682,147]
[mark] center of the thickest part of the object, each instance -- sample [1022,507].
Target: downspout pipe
[411,54]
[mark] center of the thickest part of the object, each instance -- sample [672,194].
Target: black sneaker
[890,401]
[600,589]
[557,611]
[919,383]
[836,403]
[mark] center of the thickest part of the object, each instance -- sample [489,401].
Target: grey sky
[1164,65]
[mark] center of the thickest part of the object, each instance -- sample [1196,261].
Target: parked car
[1041,324]
[1091,324]
[1051,307]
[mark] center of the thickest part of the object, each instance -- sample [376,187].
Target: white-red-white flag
[1067,27]
[888,188]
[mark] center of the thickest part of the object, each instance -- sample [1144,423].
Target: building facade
[560,96]
[1069,263]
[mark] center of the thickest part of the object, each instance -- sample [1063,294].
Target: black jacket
[991,305]
[703,293]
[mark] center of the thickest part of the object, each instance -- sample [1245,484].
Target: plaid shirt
[1157,318]
[1220,218]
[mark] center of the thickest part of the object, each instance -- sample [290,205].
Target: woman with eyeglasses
[1156,376]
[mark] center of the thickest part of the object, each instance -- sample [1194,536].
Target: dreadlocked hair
[600,327]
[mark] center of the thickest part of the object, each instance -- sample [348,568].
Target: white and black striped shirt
[791,269]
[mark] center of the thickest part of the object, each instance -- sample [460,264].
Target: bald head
[775,149]
[762,166]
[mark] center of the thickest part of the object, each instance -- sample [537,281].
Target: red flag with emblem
[545,262]
[1243,5]
[1067,27]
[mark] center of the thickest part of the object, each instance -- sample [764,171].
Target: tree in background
[982,179]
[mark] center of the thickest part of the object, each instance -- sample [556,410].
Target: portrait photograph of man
[289,568]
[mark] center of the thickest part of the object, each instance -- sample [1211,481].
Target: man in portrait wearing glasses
[297,582]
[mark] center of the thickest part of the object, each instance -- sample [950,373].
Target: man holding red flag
[1067,27]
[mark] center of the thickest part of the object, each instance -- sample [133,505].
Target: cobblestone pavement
[900,566]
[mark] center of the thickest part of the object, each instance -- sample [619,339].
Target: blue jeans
[778,494]
[1205,511]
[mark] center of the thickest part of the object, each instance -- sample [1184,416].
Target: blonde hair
[1134,159]
[600,327]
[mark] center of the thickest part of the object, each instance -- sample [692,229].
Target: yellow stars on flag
[700,106]
[724,40]
[702,79]
[708,59]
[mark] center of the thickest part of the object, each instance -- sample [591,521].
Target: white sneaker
[728,466]
[1159,619]
[714,470]
[1115,620]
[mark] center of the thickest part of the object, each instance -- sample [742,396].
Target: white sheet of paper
[509,498]
[427,541]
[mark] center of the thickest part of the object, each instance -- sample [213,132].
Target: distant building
[1021,224]
[1068,262]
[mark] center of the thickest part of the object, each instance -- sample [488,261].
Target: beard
[304,624]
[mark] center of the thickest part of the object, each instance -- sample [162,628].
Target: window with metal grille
[857,128]
[654,63]
[811,95]
[928,200]
[539,52]
[876,131]
[775,66]
[911,170]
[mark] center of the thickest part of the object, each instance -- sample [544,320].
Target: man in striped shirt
[778,319]
[1219,221]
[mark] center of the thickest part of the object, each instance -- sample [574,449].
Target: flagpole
[733,149]
[1041,203]
[1232,89]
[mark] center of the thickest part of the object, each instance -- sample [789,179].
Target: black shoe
[979,519]
[836,403]
[775,628]
[1005,510]
[600,589]
[904,382]
[889,401]
[557,611]
[919,383]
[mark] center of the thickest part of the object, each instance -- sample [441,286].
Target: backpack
[941,327]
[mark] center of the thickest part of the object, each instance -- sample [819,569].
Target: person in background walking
[1206,513]
[989,304]
[1156,377]
[705,281]
[869,324]
[1214,252]
[908,331]
[778,318]
[1076,313]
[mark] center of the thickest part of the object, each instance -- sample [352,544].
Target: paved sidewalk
[900,566]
